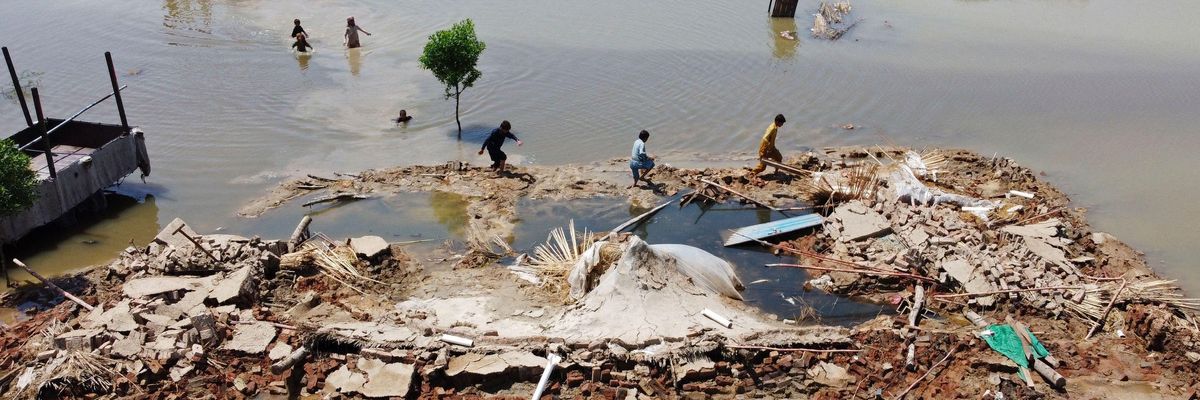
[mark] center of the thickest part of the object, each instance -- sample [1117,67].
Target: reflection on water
[784,48]
[450,209]
[354,58]
[95,239]
[700,227]
[302,59]
[188,14]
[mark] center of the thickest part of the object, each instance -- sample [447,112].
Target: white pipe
[553,359]
[459,340]
[1020,193]
[725,322]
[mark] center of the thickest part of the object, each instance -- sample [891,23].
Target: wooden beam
[51,285]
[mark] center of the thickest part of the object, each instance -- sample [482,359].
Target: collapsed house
[940,235]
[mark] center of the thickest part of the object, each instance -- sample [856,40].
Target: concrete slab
[232,287]
[860,222]
[251,338]
[385,380]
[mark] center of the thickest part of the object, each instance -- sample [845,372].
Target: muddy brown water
[1100,95]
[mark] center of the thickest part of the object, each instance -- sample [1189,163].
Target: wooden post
[37,106]
[784,9]
[112,76]
[12,72]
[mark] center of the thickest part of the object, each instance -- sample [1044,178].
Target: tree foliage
[451,55]
[18,184]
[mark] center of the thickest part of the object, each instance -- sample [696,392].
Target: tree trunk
[457,94]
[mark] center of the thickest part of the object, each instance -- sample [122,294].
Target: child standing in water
[301,43]
[352,33]
[298,29]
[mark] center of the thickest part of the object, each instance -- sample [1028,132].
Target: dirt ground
[412,294]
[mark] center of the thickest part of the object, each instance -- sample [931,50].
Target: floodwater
[1100,95]
[774,290]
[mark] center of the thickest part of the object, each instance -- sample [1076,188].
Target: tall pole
[37,106]
[112,76]
[17,87]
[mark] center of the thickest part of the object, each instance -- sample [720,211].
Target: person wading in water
[352,33]
[494,141]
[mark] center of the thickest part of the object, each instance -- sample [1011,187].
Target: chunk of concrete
[251,338]
[169,236]
[385,380]
[280,351]
[233,286]
[1045,229]
[130,345]
[971,279]
[143,287]
[344,381]
[487,364]
[860,222]
[369,246]
[829,374]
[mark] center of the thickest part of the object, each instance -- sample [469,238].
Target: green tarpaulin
[1004,340]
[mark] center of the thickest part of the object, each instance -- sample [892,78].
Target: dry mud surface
[239,317]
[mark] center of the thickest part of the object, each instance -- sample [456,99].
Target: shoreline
[510,317]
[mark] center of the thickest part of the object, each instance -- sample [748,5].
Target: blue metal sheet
[763,231]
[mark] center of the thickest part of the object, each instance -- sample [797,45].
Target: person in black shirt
[298,29]
[494,141]
[301,44]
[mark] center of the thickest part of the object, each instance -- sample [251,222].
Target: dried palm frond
[492,247]
[858,183]
[560,252]
[1096,298]
[77,370]
[336,261]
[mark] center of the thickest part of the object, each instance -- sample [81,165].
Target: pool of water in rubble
[775,290]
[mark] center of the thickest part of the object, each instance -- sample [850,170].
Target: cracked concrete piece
[385,380]
[860,222]
[972,280]
[232,286]
[368,246]
[142,287]
[280,351]
[344,381]
[251,338]
[1045,229]
[129,345]
[167,235]
[829,374]
[481,364]
[373,332]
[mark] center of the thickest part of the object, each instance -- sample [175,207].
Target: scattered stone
[280,351]
[232,287]
[829,374]
[859,221]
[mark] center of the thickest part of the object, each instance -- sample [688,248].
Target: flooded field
[1100,95]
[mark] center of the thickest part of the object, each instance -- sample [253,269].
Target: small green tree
[451,55]
[18,184]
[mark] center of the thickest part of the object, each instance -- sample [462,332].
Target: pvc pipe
[459,340]
[1020,193]
[725,322]
[552,359]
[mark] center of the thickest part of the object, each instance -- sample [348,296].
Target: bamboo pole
[64,293]
[1104,315]
[856,271]
[795,349]
[739,194]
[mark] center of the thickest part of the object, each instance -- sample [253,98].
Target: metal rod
[112,75]
[17,87]
[72,118]
[37,106]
